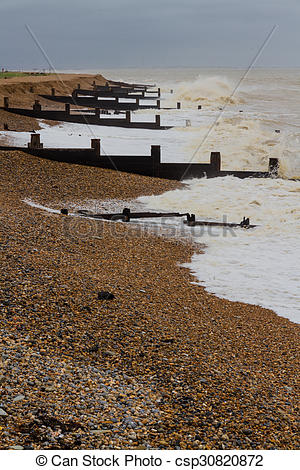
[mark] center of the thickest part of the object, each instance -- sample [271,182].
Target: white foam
[259,266]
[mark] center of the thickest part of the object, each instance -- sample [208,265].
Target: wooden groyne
[114,104]
[85,117]
[148,165]
[126,215]
[123,94]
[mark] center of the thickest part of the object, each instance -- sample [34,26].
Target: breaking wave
[217,90]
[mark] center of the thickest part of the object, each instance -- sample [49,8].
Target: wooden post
[199,106]
[78,86]
[126,213]
[158,104]
[95,144]
[52,91]
[178,105]
[128,117]
[191,219]
[273,166]
[158,92]
[31,89]
[37,107]
[155,156]
[215,162]
[97,112]
[157,120]
[67,109]
[35,142]
[6,102]
[137,100]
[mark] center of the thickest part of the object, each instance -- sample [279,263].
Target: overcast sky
[95,34]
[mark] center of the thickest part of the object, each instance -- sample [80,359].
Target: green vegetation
[10,74]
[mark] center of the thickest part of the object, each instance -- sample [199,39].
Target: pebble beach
[161,365]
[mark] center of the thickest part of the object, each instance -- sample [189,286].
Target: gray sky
[95,34]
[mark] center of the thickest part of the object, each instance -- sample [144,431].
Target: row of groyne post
[148,165]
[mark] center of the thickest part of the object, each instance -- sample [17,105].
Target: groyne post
[158,104]
[67,109]
[128,117]
[215,162]
[155,155]
[97,112]
[6,102]
[273,166]
[37,106]
[35,142]
[52,91]
[31,89]
[178,105]
[157,120]
[95,144]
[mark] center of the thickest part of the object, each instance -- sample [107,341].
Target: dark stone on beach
[64,211]
[109,353]
[104,295]
[94,348]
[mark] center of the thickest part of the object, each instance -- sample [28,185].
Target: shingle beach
[162,365]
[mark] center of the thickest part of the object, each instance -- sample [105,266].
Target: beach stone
[109,353]
[99,432]
[17,447]
[104,295]
[130,423]
[19,398]
[3,413]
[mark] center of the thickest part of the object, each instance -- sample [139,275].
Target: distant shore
[162,365]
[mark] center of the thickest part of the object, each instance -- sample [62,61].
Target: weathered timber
[130,85]
[87,117]
[92,102]
[113,93]
[144,165]
[127,215]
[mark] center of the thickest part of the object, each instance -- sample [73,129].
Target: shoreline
[218,373]
[164,364]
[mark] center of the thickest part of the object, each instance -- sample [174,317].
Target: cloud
[160,32]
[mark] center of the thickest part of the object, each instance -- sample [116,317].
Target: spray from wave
[215,90]
[246,144]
